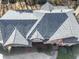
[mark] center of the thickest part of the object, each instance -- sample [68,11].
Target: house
[21,28]
[15,23]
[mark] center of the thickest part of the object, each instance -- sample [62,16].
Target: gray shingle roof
[49,24]
[70,40]
[8,27]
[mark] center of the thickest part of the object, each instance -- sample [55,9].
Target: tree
[12,1]
[41,1]
[4,1]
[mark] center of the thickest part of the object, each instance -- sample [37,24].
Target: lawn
[66,53]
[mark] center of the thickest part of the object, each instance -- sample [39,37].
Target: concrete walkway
[54,54]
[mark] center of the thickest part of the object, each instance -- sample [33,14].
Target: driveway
[29,53]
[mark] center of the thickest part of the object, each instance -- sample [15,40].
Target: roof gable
[47,6]
[16,38]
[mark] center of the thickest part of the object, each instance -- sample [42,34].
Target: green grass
[65,53]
